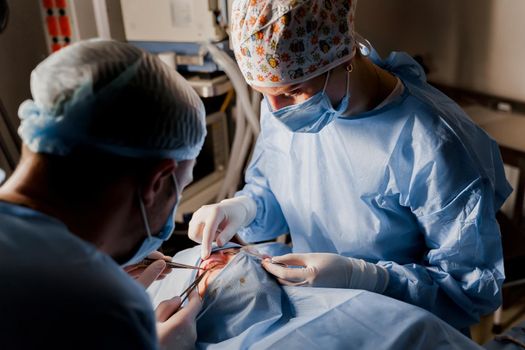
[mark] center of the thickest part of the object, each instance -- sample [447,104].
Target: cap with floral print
[281,42]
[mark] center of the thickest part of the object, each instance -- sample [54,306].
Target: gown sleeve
[269,222]
[454,201]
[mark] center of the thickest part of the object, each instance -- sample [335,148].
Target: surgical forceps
[172,264]
[249,249]
[184,295]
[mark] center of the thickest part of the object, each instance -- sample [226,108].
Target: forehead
[279,90]
[276,90]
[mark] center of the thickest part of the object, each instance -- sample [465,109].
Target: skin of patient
[214,265]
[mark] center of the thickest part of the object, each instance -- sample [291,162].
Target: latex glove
[220,222]
[177,329]
[327,270]
[147,275]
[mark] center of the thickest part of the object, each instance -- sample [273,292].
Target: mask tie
[144,216]
[326,80]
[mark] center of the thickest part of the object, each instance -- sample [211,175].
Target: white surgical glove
[220,222]
[147,274]
[178,329]
[327,270]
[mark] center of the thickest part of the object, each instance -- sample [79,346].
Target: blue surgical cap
[113,97]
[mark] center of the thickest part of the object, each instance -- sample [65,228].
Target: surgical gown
[59,292]
[413,186]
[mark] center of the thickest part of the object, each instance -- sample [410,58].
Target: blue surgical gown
[413,186]
[59,292]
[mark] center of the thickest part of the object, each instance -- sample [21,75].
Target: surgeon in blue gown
[383,182]
[110,138]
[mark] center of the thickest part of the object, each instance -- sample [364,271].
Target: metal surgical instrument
[249,249]
[184,295]
[172,264]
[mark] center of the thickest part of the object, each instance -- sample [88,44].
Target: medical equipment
[172,264]
[185,294]
[252,250]
[68,21]
[174,20]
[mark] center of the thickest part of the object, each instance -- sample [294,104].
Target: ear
[153,180]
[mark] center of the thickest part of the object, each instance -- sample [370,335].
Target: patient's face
[214,264]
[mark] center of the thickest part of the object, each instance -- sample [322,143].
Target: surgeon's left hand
[146,275]
[176,328]
[327,270]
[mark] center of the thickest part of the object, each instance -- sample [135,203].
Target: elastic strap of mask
[349,69]
[144,216]
[176,184]
[326,80]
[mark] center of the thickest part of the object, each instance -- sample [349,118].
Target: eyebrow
[290,88]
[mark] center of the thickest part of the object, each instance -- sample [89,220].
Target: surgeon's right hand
[219,222]
[177,329]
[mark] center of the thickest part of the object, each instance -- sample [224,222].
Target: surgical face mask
[243,295]
[152,243]
[313,114]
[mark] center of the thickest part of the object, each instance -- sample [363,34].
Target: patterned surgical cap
[281,42]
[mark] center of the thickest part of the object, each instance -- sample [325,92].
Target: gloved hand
[146,275]
[220,222]
[327,270]
[178,329]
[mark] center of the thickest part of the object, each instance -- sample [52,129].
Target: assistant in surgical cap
[114,97]
[281,42]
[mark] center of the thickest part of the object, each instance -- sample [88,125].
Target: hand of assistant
[220,222]
[177,329]
[146,275]
[327,270]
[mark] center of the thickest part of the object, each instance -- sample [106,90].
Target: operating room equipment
[186,292]
[252,250]
[172,264]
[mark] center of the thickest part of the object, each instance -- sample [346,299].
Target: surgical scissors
[172,264]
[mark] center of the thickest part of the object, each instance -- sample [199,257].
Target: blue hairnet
[114,97]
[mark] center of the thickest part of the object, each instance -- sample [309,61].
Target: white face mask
[312,115]
[152,243]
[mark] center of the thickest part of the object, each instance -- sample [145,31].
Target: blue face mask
[313,114]
[152,243]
